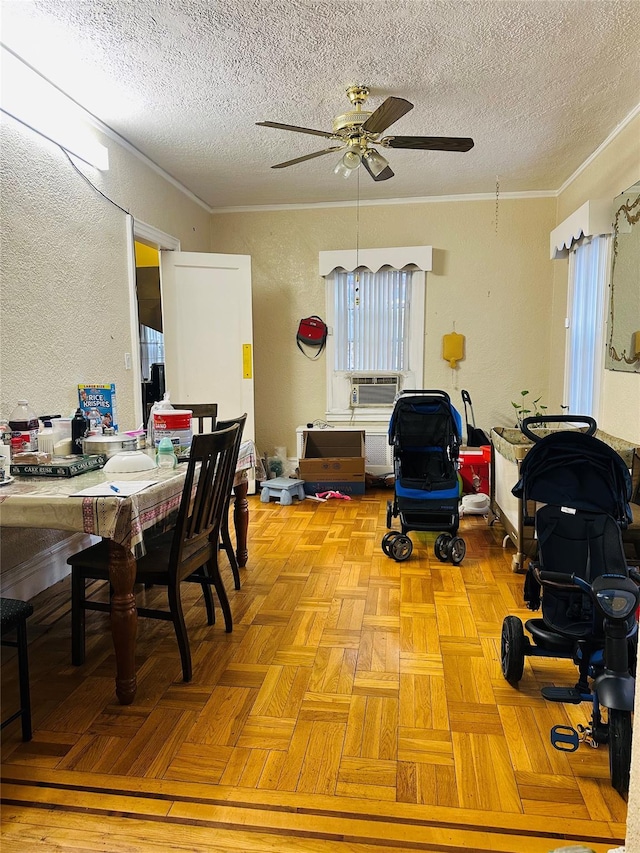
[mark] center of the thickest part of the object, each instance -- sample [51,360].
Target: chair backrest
[239,422]
[197,528]
[201,412]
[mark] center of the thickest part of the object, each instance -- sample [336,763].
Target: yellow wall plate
[247,364]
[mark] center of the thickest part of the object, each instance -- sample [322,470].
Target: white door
[208,331]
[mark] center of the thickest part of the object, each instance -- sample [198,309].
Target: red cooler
[474,469]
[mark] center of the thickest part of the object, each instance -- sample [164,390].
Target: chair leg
[228,547]
[205,583]
[177,616]
[222,593]
[23,675]
[78,617]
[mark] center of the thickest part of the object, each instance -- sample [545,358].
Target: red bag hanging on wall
[312,331]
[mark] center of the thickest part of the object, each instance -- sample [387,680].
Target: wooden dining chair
[225,536]
[187,553]
[208,412]
[204,413]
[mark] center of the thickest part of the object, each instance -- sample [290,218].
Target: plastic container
[46,438]
[174,424]
[158,406]
[166,457]
[24,426]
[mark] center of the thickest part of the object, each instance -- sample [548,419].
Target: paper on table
[116,488]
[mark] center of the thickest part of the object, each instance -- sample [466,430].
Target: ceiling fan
[359,130]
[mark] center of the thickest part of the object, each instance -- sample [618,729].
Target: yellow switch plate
[247,368]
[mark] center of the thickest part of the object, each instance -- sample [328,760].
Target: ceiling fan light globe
[342,170]
[351,160]
[375,161]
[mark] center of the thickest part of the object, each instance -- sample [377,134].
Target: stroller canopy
[572,469]
[425,419]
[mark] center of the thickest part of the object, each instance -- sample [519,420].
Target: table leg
[124,620]
[241,521]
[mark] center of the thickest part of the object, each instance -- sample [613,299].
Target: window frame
[339,382]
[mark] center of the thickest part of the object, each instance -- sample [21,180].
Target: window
[371,320]
[151,349]
[584,359]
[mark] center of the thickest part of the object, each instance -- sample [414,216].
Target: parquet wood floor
[357,706]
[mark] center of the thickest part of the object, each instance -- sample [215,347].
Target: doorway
[147,338]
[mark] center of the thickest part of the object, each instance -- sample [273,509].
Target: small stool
[283,488]
[14,614]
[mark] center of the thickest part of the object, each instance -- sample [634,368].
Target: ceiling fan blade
[279,126]
[429,143]
[384,175]
[389,111]
[307,157]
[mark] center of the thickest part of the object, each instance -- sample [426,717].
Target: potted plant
[522,408]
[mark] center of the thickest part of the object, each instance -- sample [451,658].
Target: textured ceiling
[538,84]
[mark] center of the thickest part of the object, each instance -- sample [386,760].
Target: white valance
[595,217]
[397,257]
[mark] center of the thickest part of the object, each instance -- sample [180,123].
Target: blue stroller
[426,432]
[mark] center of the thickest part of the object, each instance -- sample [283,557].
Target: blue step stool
[283,488]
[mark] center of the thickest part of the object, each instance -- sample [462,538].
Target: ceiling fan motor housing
[350,122]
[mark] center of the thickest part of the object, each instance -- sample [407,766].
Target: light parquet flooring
[358,705]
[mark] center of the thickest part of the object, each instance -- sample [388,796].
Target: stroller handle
[557,419]
[433,393]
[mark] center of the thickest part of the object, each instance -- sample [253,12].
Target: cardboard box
[100,398]
[474,470]
[333,460]
[66,466]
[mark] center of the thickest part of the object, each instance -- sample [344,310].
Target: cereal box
[100,398]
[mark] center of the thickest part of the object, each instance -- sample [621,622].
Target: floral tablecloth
[48,502]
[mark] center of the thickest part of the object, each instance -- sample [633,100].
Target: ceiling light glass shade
[348,163]
[375,161]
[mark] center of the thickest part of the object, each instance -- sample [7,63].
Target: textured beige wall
[65,294]
[495,287]
[615,169]
[65,291]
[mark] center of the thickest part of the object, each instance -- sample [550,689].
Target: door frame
[142,233]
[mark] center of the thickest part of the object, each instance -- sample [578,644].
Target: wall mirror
[623,333]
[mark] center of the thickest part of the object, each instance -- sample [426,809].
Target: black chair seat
[13,611]
[13,615]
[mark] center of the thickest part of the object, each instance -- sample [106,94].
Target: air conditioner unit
[373,391]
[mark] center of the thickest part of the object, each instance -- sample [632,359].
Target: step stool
[283,488]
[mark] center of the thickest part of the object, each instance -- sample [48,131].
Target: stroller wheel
[401,547]
[620,737]
[457,550]
[387,539]
[441,547]
[512,650]
[389,513]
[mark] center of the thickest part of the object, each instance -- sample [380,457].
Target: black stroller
[426,432]
[589,595]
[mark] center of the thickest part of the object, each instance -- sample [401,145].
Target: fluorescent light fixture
[32,100]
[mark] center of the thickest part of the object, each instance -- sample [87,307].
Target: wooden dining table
[51,503]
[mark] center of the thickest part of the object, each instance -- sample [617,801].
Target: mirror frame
[627,216]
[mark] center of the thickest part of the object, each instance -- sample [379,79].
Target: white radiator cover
[379,453]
